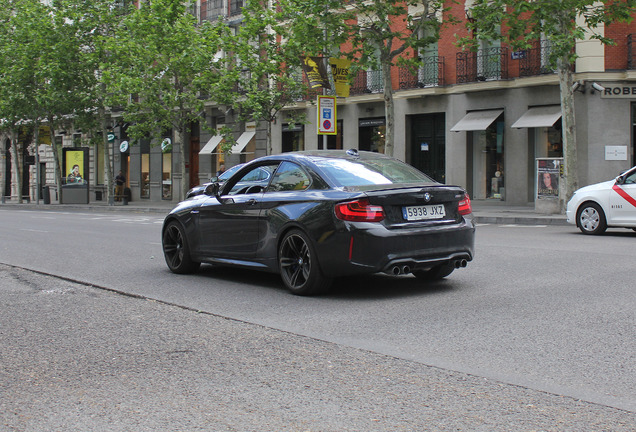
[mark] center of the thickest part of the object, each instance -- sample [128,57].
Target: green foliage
[380,31]
[162,62]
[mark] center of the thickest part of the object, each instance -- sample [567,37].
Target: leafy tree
[268,52]
[21,43]
[167,62]
[562,23]
[96,24]
[381,33]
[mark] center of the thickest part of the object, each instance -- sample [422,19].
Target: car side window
[289,177]
[253,181]
[630,179]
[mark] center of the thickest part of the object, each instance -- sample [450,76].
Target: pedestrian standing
[120,181]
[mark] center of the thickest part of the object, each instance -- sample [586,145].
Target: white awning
[211,145]
[242,142]
[477,120]
[545,116]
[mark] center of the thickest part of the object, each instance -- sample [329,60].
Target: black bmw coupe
[324,214]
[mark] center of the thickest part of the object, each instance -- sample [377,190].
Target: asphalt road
[542,310]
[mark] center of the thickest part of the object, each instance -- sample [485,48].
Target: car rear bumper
[373,248]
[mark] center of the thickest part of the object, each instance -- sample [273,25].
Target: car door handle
[194,212]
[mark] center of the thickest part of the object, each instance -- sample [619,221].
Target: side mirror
[213,189]
[620,179]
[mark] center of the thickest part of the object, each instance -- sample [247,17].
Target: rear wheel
[591,219]
[436,273]
[176,250]
[298,264]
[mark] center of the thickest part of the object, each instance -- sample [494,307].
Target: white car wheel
[591,219]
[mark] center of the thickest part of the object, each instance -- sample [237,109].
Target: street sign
[327,115]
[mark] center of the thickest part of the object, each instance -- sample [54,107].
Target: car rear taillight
[464,206]
[359,211]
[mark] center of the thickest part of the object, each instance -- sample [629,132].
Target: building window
[145,168]
[99,163]
[293,138]
[166,181]
[372,134]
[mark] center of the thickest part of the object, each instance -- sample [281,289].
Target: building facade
[482,120]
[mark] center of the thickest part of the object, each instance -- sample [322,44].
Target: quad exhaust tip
[397,270]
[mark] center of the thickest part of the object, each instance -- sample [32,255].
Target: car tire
[176,250]
[590,219]
[436,273]
[298,265]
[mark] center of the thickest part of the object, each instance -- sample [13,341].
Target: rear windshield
[347,173]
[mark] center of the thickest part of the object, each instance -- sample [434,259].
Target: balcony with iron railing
[367,82]
[429,74]
[211,10]
[488,64]
[535,61]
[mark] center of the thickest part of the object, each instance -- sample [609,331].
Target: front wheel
[436,273]
[591,219]
[298,264]
[176,250]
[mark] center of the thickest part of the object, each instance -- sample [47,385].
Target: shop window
[293,138]
[145,168]
[495,160]
[166,182]
[372,134]
[99,163]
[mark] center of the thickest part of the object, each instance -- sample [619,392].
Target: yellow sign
[340,72]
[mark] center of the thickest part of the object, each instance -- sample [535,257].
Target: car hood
[595,187]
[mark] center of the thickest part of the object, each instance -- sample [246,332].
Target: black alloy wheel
[298,265]
[436,273]
[176,251]
[591,219]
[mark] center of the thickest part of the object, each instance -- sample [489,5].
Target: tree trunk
[568,128]
[16,161]
[56,160]
[36,145]
[389,109]
[108,169]
[185,182]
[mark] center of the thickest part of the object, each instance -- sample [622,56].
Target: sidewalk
[485,211]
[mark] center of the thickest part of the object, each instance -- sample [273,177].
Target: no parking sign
[327,115]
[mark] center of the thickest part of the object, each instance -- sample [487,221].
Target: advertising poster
[340,72]
[548,171]
[316,72]
[74,162]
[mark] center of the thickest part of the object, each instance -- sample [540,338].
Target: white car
[612,203]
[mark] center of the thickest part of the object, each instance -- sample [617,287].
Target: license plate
[415,213]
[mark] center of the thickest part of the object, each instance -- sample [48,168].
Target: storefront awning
[242,142]
[211,145]
[477,120]
[545,116]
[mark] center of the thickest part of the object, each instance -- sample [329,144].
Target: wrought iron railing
[483,65]
[535,61]
[429,74]
[213,10]
[367,82]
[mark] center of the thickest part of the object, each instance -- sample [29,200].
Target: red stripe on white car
[625,195]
